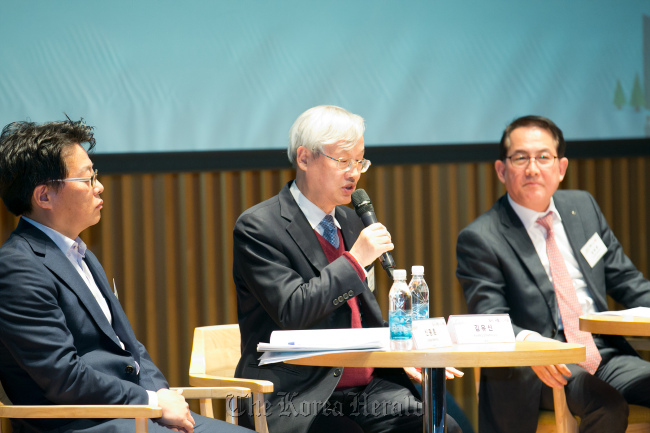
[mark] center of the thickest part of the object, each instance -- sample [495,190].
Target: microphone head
[361,202]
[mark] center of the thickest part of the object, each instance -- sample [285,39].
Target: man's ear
[564,163]
[302,157]
[42,197]
[500,168]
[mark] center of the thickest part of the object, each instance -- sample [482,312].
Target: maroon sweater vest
[352,376]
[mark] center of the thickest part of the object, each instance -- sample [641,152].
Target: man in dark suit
[300,261]
[544,257]
[64,338]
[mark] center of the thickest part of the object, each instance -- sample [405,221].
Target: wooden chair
[140,413]
[561,420]
[215,354]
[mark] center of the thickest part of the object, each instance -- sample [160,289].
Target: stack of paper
[285,345]
[632,312]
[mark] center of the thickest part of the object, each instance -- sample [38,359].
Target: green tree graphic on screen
[619,96]
[637,99]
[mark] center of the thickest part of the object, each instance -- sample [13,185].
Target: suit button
[351,293]
[129,369]
[340,298]
[337,372]
[346,296]
[335,302]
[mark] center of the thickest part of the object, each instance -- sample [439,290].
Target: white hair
[323,125]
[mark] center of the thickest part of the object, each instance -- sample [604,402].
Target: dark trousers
[601,401]
[381,406]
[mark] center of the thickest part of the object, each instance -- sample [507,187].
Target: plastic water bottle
[399,312]
[419,293]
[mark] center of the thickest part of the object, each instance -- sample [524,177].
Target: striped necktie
[330,232]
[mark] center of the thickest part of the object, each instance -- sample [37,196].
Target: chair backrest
[216,350]
[3,396]
[5,425]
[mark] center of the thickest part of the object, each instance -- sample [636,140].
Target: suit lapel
[121,325]
[300,230]
[517,237]
[572,222]
[349,235]
[98,275]
[56,261]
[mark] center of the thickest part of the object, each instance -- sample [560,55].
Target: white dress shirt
[75,250]
[313,213]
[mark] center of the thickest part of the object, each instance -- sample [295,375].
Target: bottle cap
[399,274]
[417,270]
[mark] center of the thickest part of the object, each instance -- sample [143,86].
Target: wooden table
[434,361]
[615,325]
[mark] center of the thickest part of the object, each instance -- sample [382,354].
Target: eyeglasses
[521,160]
[92,179]
[345,164]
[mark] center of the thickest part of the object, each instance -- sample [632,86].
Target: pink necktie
[567,299]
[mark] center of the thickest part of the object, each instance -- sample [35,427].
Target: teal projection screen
[204,75]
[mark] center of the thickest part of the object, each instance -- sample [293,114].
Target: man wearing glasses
[300,261]
[545,257]
[64,338]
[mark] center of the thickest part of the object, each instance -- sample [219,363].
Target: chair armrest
[200,379]
[214,392]
[81,411]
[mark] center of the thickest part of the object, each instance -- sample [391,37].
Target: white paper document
[326,339]
[285,345]
[632,312]
[272,357]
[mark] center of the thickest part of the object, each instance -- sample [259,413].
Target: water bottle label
[400,325]
[420,311]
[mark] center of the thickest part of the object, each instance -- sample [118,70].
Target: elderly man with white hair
[300,261]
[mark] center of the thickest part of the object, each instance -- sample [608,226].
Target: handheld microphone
[364,209]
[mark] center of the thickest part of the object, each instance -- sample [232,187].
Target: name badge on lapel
[594,250]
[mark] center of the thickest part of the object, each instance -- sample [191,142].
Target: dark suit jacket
[56,345]
[500,272]
[284,281]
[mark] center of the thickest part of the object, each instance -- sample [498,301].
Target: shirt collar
[64,243]
[313,213]
[529,217]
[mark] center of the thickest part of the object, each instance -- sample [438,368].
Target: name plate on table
[430,333]
[481,328]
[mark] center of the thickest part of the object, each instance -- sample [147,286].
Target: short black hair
[540,122]
[33,154]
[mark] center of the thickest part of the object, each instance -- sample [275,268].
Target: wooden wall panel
[166,239]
